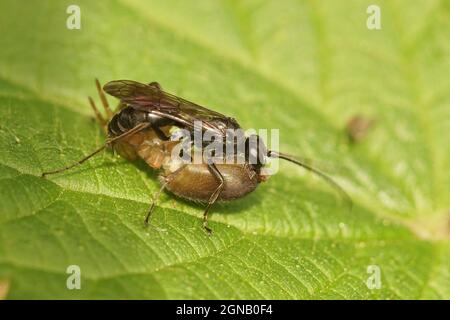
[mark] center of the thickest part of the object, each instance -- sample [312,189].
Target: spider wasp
[141,128]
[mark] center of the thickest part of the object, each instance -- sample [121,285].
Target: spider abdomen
[195,182]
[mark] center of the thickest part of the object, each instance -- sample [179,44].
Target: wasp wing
[152,99]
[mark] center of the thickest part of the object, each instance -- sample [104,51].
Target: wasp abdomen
[195,182]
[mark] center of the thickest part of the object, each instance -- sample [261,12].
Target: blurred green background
[304,67]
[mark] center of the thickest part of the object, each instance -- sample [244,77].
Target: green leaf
[305,67]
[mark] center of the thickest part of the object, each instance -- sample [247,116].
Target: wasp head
[255,151]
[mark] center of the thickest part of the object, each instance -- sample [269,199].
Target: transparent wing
[152,99]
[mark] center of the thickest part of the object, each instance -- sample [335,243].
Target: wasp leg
[44,174]
[152,207]
[156,85]
[103,123]
[160,133]
[102,95]
[213,198]
[168,179]
[109,142]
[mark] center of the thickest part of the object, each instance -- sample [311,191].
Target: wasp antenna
[316,171]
